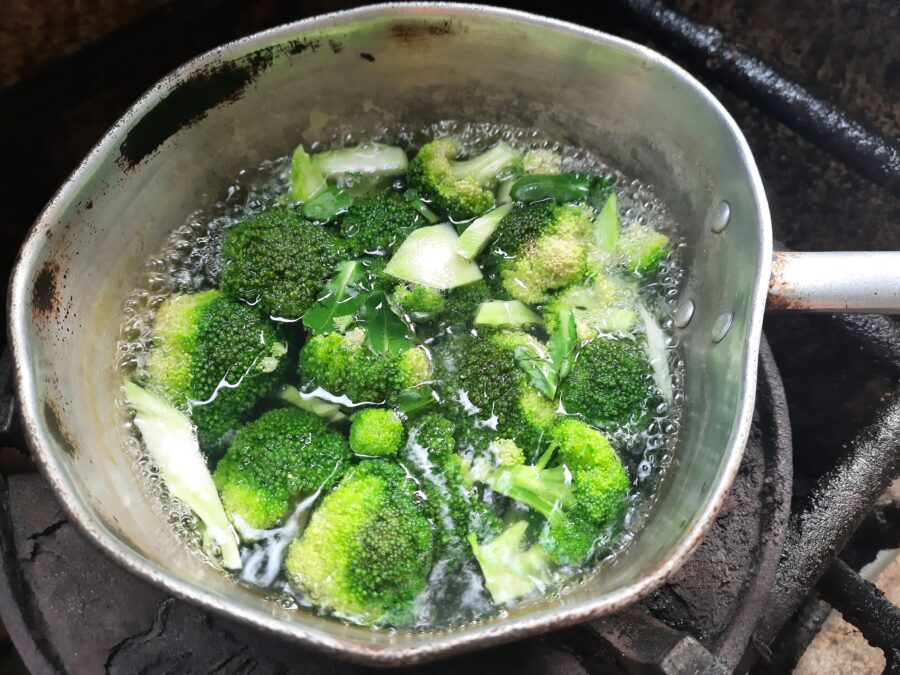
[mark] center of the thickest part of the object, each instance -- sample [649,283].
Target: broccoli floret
[642,249]
[601,305]
[506,452]
[481,379]
[422,304]
[216,356]
[462,303]
[377,222]
[367,550]
[582,494]
[540,248]
[510,570]
[376,432]
[451,501]
[342,366]
[278,261]
[541,161]
[611,383]
[284,454]
[458,188]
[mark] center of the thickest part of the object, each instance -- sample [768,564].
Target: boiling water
[190,262]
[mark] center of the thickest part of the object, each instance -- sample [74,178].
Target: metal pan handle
[853,281]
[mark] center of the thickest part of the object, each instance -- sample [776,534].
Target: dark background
[69,68]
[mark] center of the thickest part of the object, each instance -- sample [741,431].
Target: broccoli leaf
[562,187]
[545,373]
[562,343]
[385,331]
[414,400]
[344,298]
[327,205]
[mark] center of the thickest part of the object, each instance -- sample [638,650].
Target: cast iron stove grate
[777,558]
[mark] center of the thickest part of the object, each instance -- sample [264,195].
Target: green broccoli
[367,551]
[342,366]
[580,496]
[379,221]
[642,249]
[216,356]
[480,378]
[376,432]
[461,304]
[600,305]
[422,304]
[285,454]
[541,248]
[510,570]
[458,188]
[451,502]
[542,161]
[611,383]
[278,261]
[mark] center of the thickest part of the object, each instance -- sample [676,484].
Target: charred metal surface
[417,33]
[57,428]
[792,104]
[45,293]
[840,501]
[878,532]
[878,334]
[861,603]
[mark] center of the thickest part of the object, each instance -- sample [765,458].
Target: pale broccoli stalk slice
[370,160]
[510,570]
[506,313]
[606,225]
[487,165]
[477,235]
[428,256]
[414,198]
[330,412]
[172,443]
[307,179]
[659,355]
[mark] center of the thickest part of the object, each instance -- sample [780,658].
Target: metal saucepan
[385,66]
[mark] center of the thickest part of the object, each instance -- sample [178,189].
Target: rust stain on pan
[782,294]
[45,291]
[417,33]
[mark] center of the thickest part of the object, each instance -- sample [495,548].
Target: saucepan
[381,67]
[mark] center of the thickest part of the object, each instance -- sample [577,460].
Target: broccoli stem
[330,412]
[306,179]
[477,235]
[606,225]
[170,439]
[509,570]
[506,313]
[373,159]
[485,166]
[563,187]
[544,490]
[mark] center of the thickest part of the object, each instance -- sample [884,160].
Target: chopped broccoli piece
[506,452]
[510,570]
[377,222]
[279,261]
[540,248]
[643,249]
[342,366]
[307,180]
[169,438]
[216,356]
[422,304]
[330,412]
[362,162]
[541,161]
[428,256]
[462,303]
[579,496]
[458,188]
[327,205]
[480,378]
[606,225]
[477,235]
[285,454]
[510,313]
[368,549]
[376,432]
[602,305]
[611,383]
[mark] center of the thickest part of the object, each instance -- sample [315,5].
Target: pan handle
[839,281]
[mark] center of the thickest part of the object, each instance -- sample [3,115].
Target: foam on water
[190,262]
